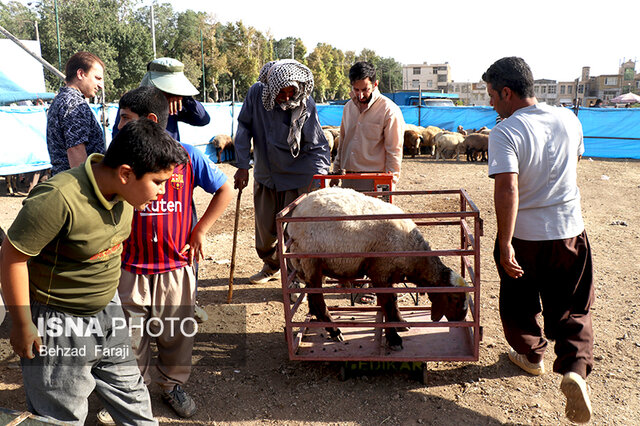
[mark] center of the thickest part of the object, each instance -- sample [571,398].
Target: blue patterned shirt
[71,122]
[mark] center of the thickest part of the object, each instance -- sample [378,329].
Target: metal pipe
[419,104]
[233,101]
[204,84]
[153,32]
[55,3]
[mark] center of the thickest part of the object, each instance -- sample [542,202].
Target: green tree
[19,20]
[235,42]
[389,73]
[119,32]
[320,62]
[368,55]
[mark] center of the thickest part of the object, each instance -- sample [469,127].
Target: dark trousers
[557,282]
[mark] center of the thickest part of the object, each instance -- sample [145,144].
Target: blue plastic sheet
[601,124]
[10,92]
[23,144]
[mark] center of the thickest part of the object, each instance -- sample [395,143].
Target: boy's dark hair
[145,100]
[511,72]
[146,147]
[80,61]
[361,70]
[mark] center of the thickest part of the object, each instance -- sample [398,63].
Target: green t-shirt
[74,236]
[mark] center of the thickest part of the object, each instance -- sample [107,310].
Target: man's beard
[290,104]
[366,101]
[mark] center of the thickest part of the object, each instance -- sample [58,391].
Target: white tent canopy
[627,98]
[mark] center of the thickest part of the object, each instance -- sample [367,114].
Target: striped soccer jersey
[162,229]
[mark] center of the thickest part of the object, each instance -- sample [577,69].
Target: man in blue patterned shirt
[73,133]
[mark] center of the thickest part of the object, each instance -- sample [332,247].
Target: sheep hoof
[394,342]
[336,335]
[396,347]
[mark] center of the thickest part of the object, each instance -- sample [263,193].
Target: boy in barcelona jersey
[158,279]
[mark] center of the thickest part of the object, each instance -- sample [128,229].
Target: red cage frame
[362,326]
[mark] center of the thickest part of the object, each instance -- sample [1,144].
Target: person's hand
[395,178]
[336,182]
[241,179]
[175,103]
[194,248]
[509,262]
[23,338]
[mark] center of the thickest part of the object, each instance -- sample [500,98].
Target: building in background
[583,91]
[434,77]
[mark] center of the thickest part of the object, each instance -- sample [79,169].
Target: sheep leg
[389,305]
[318,307]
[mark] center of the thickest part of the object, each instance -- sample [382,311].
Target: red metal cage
[362,326]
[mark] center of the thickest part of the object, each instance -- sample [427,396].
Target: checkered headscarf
[277,75]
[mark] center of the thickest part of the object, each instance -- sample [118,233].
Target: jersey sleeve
[206,174]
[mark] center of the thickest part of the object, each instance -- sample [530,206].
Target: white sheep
[427,146]
[448,143]
[365,236]
[413,127]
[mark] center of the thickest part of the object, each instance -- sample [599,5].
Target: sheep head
[453,306]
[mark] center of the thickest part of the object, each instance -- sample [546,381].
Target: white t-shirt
[541,144]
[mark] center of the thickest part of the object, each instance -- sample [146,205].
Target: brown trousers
[557,282]
[267,203]
[160,303]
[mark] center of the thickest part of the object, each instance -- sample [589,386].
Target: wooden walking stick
[233,250]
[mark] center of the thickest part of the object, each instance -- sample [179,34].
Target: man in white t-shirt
[542,252]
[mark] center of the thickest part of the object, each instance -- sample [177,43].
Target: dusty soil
[242,373]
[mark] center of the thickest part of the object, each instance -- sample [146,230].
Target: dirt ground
[242,373]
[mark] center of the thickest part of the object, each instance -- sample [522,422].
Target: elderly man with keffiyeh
[289,147]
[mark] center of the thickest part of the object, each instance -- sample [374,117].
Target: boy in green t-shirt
[60,271]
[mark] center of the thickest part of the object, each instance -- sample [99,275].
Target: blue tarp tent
[610,132]
[12,92]
[23,146]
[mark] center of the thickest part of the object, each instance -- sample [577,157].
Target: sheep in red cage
[389,235]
